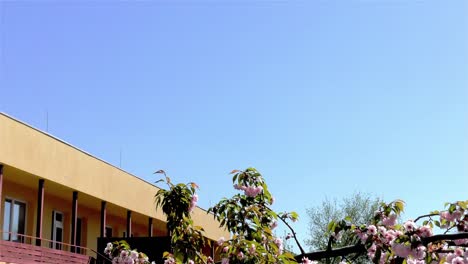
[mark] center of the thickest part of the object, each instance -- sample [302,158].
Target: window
[14,220]
[57,229]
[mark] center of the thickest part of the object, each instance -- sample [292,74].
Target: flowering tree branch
[424,216]
[293,234]
[451,237]
[250,221]
[338,252]
[361,250]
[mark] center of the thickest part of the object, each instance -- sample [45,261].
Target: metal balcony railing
[23,249]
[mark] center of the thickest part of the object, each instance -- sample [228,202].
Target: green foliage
[187,240]
[251,222]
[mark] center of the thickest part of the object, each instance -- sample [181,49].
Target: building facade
[57,197]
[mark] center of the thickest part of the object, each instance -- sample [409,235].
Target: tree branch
[422,216]
[317,255]
[435,238]
[293,233]
[360,249]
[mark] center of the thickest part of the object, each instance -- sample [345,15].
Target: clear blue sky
[323,97]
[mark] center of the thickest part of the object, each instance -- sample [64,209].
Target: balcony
[24,251]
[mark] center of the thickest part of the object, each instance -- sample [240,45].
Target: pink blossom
[363,236]
[415,261]
[274,224]
[169,260]
[133,254]
[253,191]
[225,249]
[409,226]
[390,220]
[425,231]
[240,255]
[123,253]
[450,257]
[458,251]
[382,229]
[389,236]
[401,250]
[419,252]
[193,202]
[225,261]
[279,243]
[371,251]
[383,258]
[456,215]
[220,241]
[307,261]
[372,230]
[460,241]
[458,260]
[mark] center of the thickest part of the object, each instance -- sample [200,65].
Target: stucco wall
[35,152]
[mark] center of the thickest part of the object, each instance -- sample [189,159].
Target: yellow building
[55,196]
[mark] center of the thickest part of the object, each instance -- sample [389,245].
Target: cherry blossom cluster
[251,222]
[171,260]
[250,191]
[122,254]
[193,202]
[386,240]
[232,250]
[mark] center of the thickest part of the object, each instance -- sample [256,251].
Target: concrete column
[1,188]
[40,211]
[74,220]
[129,223]
[150,227]
[103,218]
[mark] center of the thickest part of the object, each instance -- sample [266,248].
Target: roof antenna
[120,159]
[47,120]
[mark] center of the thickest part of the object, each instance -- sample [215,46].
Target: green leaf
[452,208]
[400,205]
[462,204]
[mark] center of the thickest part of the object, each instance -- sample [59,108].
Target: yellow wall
[39,154]
[90,218]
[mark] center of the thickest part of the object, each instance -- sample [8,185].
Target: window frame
[54,242]
[13,200]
